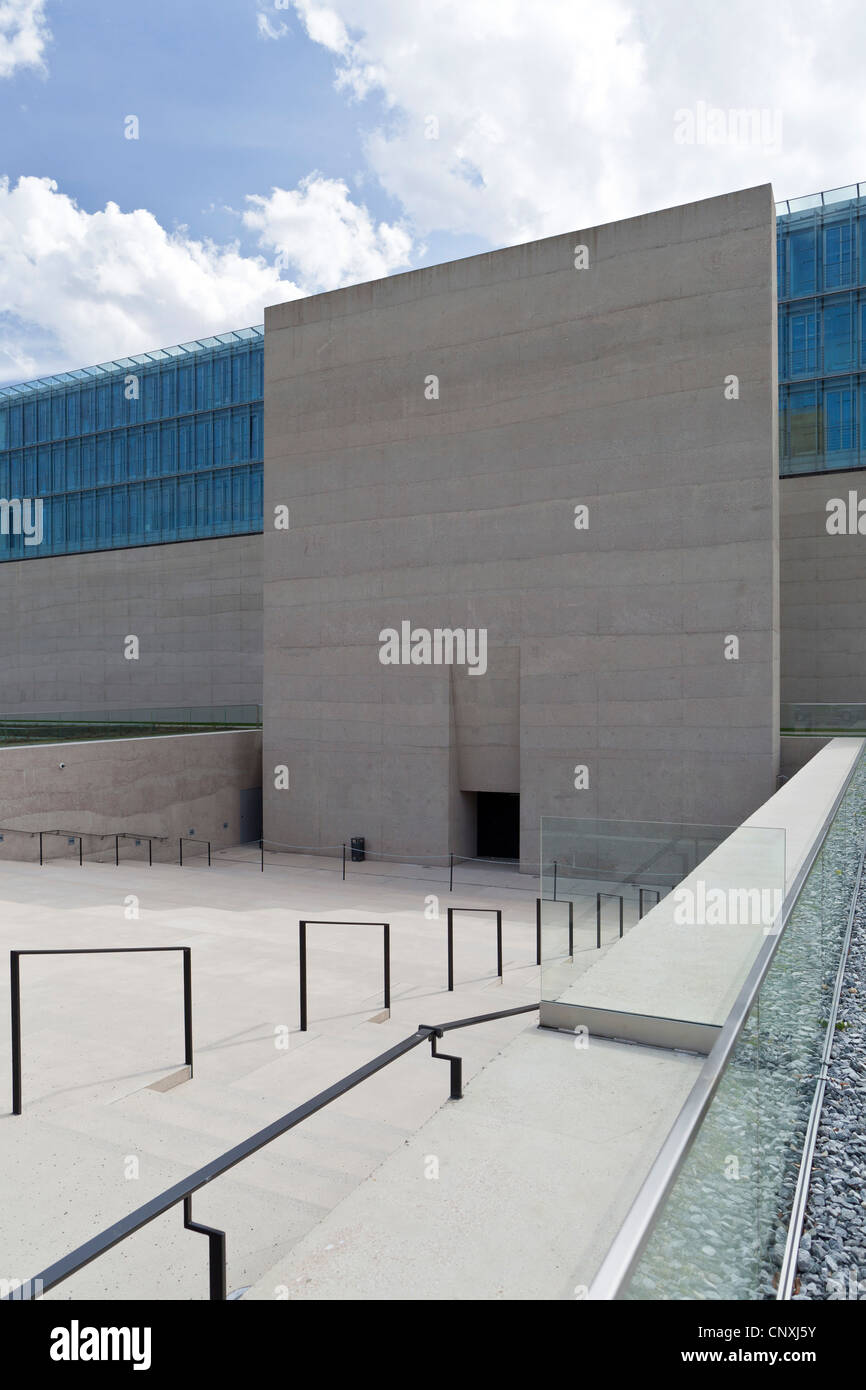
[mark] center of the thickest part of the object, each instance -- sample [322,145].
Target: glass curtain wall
[166,446]
[821,247]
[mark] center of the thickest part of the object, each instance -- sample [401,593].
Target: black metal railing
[191,840]
[598,898]
[81,835]
[566,902]
[183,1191]
[433,862]
[15,997]
[641,892]
[116,836]
[302,956]
[497,911]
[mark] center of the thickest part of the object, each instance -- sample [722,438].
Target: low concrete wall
[665,970]
[151,786]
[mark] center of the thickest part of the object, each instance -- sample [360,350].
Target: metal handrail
[183,1191]
[98,834]
[497,912]
[630,1241]
[569,903]
[302,958]
[15,997]
[115,835]
[598,898]
[191,840]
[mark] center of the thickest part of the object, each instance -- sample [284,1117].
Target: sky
[168,169]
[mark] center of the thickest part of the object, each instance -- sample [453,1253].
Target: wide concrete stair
[103,1159]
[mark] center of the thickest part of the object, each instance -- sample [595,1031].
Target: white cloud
[78,287]
[330,240]
[24,34]
[88,287]
[560,114]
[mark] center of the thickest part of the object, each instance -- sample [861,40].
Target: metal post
[621,900]
[262,851]
[499,942]
[40,849]
[302,953]
[344,861]
[387,943]
[116,851]
[216,1253]
[456,1077]
[451,873]
[451,948]
[80,851]
[456,1065]
[598,921]
[208,853]
[537,931]
[180,851]
[554,880]
[150,852]
[15,984]
[571,927]
[641,892]
[187,1007]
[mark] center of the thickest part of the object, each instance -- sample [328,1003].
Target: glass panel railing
[817,718]
[132,723]
[705,896]
[721,1233]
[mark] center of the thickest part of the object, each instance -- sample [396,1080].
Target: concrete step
[268,1203]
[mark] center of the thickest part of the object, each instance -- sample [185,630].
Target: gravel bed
[832,1256]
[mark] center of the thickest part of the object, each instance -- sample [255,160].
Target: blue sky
[292,146]
[223,112]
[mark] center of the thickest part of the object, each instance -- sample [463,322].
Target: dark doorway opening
[498,825]
[251,815]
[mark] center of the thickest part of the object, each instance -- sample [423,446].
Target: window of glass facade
[162,447]
[822,332]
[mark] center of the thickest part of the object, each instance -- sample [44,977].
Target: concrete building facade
[430,441]
[433,437]
[195,607]
[823,588]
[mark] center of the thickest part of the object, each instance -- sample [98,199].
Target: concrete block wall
[196,608]
[557,386]
[823,593]
[152,786]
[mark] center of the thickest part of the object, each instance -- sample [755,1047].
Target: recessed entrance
[498,825]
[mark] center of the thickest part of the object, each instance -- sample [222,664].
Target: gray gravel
[832,1256]
[722,1232]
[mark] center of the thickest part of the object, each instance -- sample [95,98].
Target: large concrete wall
[196,608]
[558,386]
[153,786]
[823,592]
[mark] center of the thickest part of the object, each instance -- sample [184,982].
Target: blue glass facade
[821,247]
[166,446]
